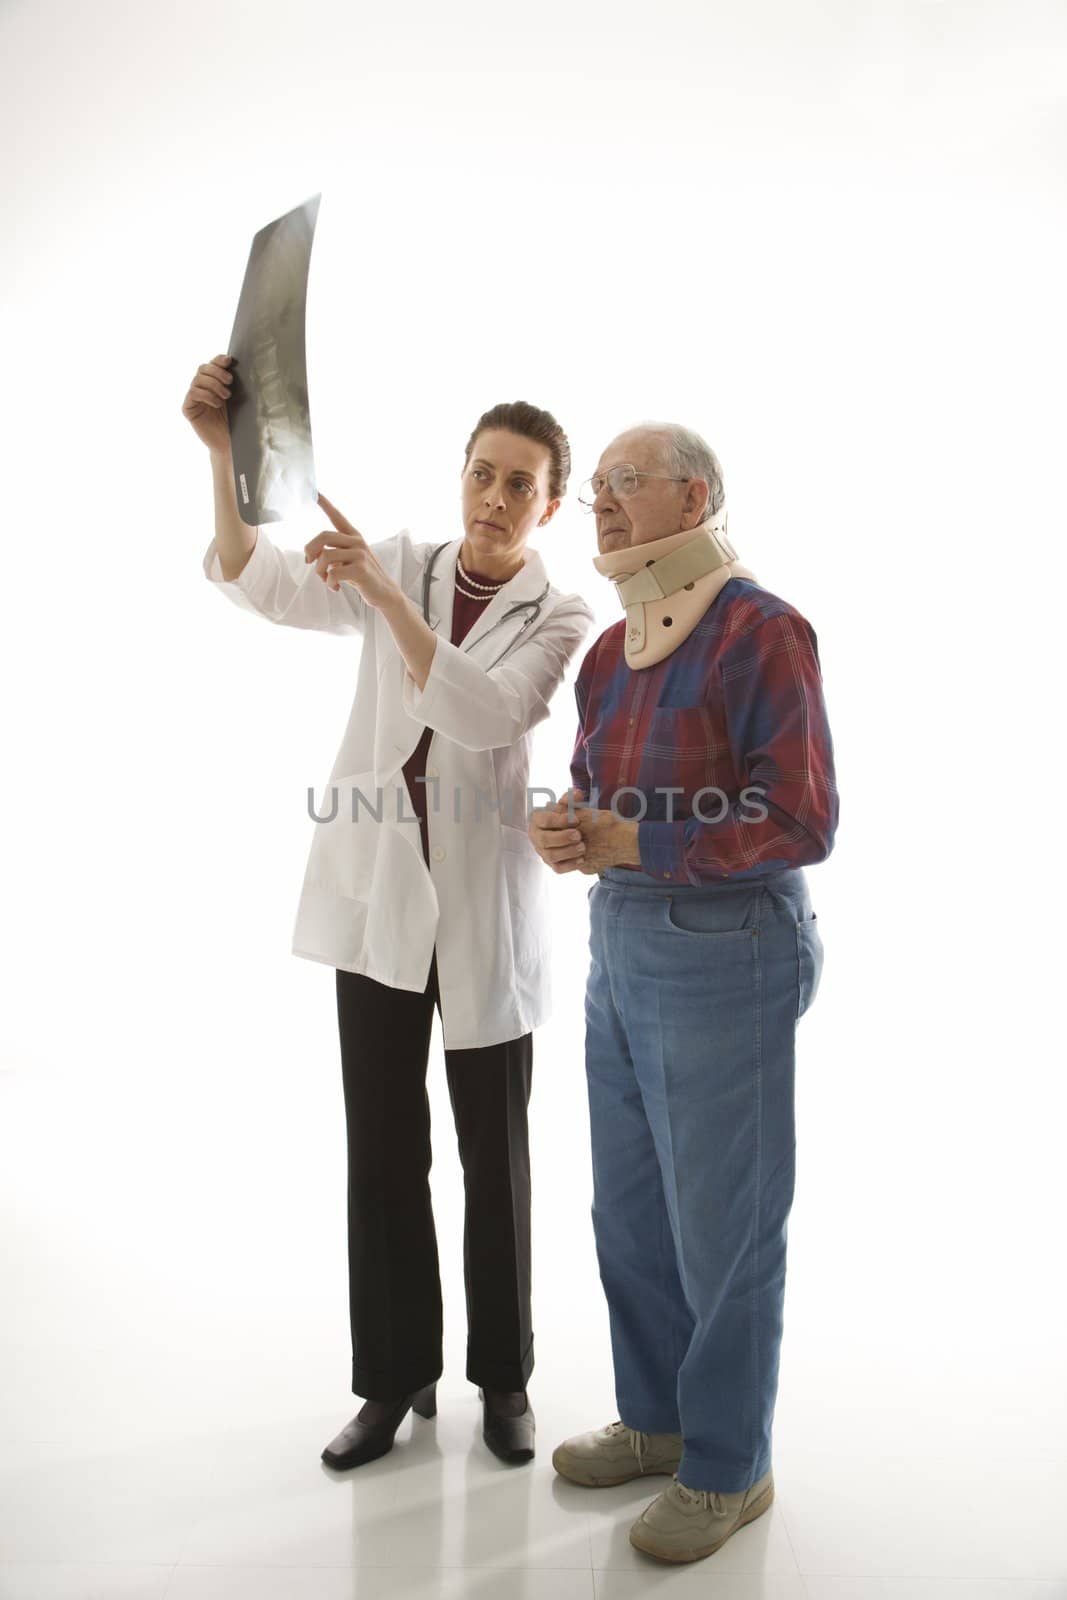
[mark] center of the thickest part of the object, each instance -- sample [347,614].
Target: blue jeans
[692,1002]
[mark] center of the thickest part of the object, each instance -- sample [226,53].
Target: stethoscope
[522,605]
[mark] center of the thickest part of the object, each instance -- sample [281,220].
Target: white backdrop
[829,237]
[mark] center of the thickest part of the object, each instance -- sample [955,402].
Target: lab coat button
[431,772]
[439,854]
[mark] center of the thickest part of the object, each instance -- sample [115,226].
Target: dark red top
[465,613]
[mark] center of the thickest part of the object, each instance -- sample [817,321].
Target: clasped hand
[589,841]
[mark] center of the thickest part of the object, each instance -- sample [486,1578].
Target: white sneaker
[616,1454]
[686,1524]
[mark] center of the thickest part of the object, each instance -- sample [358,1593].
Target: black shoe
[509,1437]
[358,1441]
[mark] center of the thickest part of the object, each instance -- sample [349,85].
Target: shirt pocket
[684,750]
[683,734]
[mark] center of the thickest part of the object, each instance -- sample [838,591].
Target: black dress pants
[393,1272]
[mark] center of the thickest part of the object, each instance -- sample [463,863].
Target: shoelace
[638,1441]
[710,1499]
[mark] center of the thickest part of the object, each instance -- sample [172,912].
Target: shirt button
[439,854]
[431,772]
[666,874]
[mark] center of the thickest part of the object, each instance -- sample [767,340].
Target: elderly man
[703,783]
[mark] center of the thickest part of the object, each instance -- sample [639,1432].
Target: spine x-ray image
[270,423]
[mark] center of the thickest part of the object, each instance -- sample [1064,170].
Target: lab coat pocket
[809,962]
[347,830]
[523,870]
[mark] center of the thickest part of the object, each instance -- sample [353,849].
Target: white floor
[177,1356]
[246,1509]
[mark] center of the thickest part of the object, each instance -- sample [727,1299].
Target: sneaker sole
[750,1513]
[575,1474]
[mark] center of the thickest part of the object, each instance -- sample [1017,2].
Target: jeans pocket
[809,962]
[716,918]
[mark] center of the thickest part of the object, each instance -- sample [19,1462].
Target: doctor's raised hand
[204,406]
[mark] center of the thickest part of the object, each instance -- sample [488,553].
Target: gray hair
[687,455]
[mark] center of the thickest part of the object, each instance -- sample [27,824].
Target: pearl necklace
[483,589]
[471,594]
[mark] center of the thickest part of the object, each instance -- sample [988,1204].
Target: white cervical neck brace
[666,585]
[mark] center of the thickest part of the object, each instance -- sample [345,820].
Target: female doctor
[422,889]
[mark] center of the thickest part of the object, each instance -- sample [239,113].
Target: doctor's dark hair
[530,422]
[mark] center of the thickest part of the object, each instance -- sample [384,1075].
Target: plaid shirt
[737,707]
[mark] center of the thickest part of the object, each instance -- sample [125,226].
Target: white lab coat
[368,903]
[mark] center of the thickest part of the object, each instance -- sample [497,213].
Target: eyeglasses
[621,480]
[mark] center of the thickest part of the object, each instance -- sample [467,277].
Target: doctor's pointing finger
[342,555]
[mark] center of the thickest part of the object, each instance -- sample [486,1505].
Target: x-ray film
[270,423]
